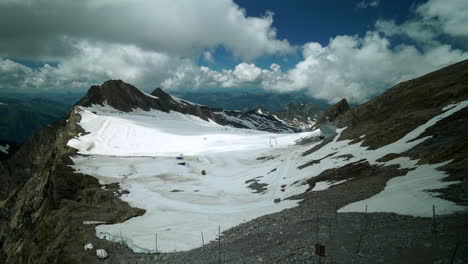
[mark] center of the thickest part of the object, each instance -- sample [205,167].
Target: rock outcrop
[41,219]
[405,106]
[299,115]
[332,113]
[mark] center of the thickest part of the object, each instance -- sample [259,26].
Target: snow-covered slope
[158,157]
[127,98]
[142,151]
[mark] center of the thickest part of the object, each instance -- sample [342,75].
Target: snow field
[138,150]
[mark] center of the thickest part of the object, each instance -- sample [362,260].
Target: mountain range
[152,177]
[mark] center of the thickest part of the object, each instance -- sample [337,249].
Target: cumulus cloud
[193,77]
[358,68]
[43,28]
[354,67]
[247,72]
[450,16]
[433,19]
[12,74]
[93,63]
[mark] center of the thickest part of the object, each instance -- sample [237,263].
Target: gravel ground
[286,237]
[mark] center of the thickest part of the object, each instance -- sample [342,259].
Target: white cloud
[190,76]
[179,28]
[368,3]
[358,68]
[416,30]
[12,74]
[92,63]
[451,16]
[352,67]
[433,19]
[247,72]
[207,56]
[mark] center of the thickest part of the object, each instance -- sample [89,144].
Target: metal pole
[336,212]
[202,240]
[69,227]
[317,229]
[362,231]
[219,244]
[455,252]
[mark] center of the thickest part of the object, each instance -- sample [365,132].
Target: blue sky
[301,21]
[326,49]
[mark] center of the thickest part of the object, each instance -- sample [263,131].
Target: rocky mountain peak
[337,109]
[158,92]
[126,98]
[119,95]
[333,112]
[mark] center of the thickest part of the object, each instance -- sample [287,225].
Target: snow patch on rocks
[4,149]
[88,246]
[102,253]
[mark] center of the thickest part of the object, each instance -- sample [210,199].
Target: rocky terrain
[303,116]
[330,115]
[44,203]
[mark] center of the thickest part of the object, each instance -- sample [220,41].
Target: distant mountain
[68,98]
[20,119]
[239,100]
[125,97]
[23,114]
[300,115]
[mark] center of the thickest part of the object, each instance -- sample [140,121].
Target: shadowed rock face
[41,219]
[299,114]
[119,95]
[333,112]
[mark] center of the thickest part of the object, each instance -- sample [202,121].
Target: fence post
[452,260]
[69,227]
[300,212]
[363,230]
[203,241]
[317,229]
[336,212]
[219,244]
